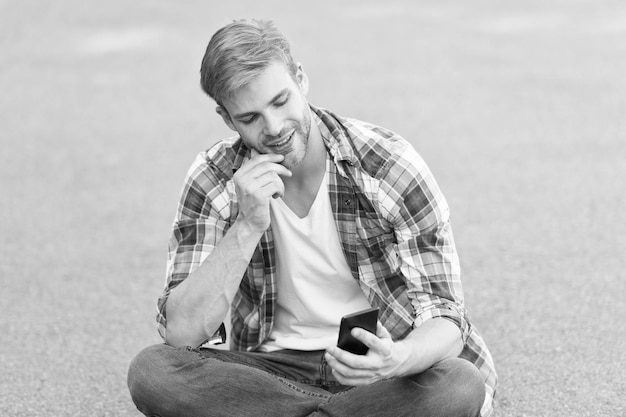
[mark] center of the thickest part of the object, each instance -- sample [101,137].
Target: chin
[293,159]
[290,163]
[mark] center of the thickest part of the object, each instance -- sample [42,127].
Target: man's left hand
[383,360]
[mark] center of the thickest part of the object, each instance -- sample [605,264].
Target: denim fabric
[166,381]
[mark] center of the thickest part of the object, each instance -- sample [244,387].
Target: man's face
[271,114]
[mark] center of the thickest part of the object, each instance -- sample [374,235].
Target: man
[302,218]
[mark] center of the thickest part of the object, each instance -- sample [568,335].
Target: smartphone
[365,319]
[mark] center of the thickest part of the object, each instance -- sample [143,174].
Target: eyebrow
[281,94]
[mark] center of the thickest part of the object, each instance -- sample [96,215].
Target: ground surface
[519,108]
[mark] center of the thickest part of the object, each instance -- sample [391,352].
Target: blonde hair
[239,52]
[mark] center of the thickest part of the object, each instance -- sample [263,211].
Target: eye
[248,120]
[282,101]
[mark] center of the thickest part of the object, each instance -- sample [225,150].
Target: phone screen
[365,319]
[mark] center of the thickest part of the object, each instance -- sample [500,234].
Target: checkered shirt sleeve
[200,223]
[413,202]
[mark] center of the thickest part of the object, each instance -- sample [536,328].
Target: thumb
[382,332]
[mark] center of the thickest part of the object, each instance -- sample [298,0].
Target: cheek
[249,133]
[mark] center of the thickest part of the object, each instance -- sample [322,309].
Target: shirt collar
[228,159]
[335,136]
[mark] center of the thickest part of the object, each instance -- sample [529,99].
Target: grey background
[518,107]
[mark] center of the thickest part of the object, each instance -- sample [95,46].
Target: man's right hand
[256,182]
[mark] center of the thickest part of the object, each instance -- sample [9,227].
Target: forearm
[198,305]
[433,341]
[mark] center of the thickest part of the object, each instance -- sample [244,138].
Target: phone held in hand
[365,319]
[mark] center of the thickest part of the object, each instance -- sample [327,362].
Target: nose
[273,124]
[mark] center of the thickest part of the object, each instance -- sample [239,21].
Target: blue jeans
[167,381]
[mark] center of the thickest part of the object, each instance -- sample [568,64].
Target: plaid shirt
[393,224]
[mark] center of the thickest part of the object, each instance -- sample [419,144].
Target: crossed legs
[166,381]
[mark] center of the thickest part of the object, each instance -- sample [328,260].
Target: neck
[302,187]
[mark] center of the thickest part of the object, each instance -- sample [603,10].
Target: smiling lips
[282,143]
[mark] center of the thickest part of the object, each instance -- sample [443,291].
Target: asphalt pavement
[518,107]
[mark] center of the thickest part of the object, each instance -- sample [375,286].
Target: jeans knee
[469,387]
[454,387]
[147,374]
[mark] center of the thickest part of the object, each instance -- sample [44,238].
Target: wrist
[248,234]
[400,358]
[409,357]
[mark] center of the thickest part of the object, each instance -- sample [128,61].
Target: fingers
[343,359]
[372,341]
[262,163]
[260,177]
[265,185]
[256,182]
[350,369]
[346,374]
[382,332]
[355,369]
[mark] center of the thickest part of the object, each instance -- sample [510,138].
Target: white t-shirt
[315,284]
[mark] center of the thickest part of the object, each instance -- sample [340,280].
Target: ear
[226,117]
[302,79]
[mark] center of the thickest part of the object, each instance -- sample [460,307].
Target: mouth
[282,143]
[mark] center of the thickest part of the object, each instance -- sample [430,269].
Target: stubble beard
[301,147]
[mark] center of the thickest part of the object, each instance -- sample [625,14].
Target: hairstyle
[239,52]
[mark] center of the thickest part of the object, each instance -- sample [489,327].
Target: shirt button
[347,202]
